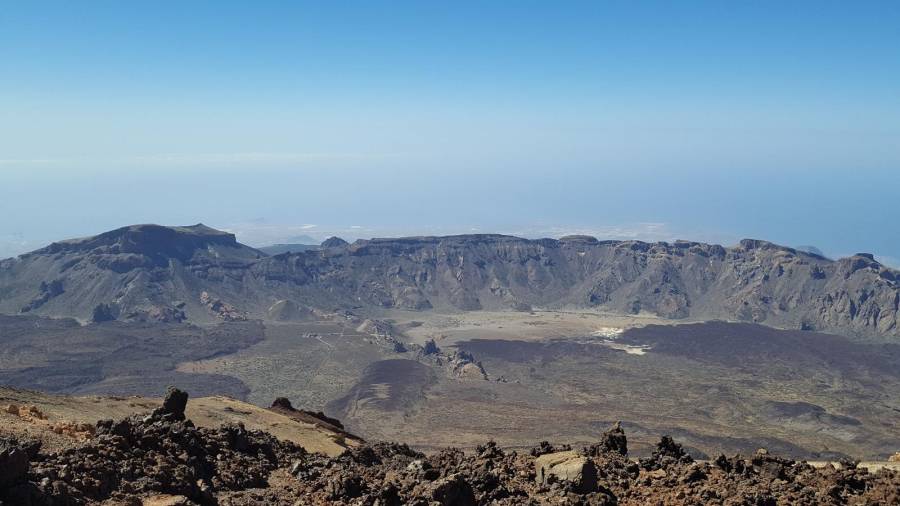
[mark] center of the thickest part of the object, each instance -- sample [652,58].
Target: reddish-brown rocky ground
[138,459]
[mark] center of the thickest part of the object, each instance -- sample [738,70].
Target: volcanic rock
[222,309]
[544,448]
[464,366]
[158,460]
[667,453]
[159,454]
[13,464]
[283,405]
[613,440]
[577,471]
[174,404]
[453,491]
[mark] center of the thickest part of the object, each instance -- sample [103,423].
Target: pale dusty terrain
[209,412]
[448,329]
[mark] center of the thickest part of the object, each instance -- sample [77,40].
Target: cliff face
[754,281]
[142,272]
[137,268]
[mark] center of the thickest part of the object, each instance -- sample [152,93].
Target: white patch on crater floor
[610,334]
[627,348]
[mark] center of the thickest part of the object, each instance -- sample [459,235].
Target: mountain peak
[147,239]
[334,242]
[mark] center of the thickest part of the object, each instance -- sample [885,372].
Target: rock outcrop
[667,452]
[173,405]
[459,364]
[283,405]
[222,309]
[612,441]
[14,464]
[383,333]
[577,472]
[464,366]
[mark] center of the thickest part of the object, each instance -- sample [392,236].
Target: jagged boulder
[283,403]
[453,490]
[13,464]
[667,453]
[174,404]
[613,440]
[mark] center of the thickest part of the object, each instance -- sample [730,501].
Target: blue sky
[700,120]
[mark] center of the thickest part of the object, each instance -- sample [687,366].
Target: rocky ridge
[150,271]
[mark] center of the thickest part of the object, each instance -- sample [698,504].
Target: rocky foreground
[162,458]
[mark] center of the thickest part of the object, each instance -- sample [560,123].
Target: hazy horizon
[259,233]
[651,120]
